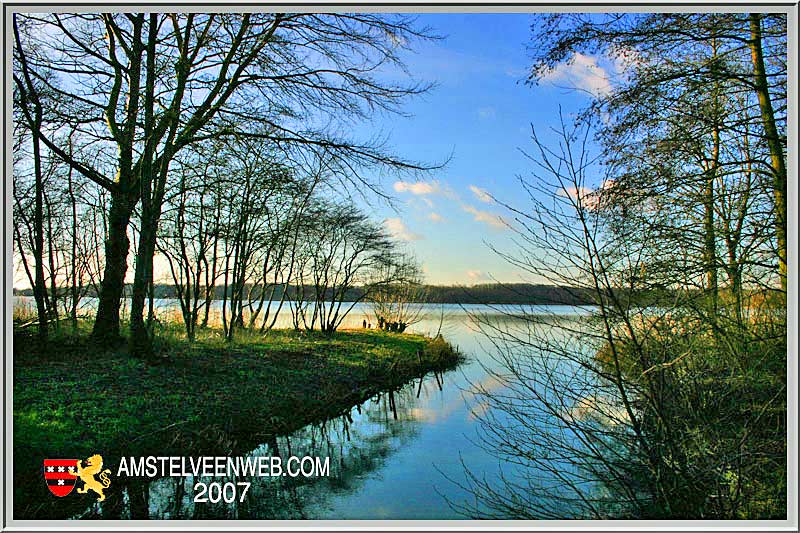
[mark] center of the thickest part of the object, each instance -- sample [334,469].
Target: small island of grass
[209,396]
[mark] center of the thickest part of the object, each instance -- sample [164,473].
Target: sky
[480,115]
[478,119]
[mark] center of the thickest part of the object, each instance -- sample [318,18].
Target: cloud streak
[476,276]
[424,189]
[590,199]
[485,217]
[481,194]
[418,187]
[399,230]
[582,72]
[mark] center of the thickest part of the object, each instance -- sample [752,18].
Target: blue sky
[481,113]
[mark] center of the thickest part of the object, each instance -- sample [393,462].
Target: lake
[402,457]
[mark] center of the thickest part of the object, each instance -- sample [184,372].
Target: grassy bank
[205,397]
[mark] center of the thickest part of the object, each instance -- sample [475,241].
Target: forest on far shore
[487,293]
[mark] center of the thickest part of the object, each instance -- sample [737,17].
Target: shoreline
[207,398]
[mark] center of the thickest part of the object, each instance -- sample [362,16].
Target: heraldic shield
[60,475]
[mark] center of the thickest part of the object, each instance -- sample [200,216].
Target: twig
[159,430]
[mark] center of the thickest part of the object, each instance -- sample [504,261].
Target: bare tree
[346,255]
[274,75]
[189,231]
[680,72]
[30,103]
[400,301]
[627,411]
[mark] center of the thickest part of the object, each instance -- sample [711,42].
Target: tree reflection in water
[356,443]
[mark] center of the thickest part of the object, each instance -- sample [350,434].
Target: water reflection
[398,456]
[356,443]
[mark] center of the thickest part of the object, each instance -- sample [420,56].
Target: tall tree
[31,106]
[147,86]
[671,63]
[777,142]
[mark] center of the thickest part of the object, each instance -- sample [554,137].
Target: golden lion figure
[93,466]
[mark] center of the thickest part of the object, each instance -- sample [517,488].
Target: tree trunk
[151,306]
[38,231]
[710,244]
[51,259]
[140,341]
[211,283]
[775,147]
[225,328]
[29,95]
[141,344]
[74,283]
[106,325]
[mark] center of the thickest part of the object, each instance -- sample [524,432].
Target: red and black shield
[60,475]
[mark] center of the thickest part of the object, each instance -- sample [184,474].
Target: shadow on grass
[72,400]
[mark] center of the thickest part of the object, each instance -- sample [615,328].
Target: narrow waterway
[400,455]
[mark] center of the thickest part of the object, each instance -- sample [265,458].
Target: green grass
[204,397]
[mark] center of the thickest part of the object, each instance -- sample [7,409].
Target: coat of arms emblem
[60,475]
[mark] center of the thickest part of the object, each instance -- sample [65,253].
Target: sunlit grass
[71,400]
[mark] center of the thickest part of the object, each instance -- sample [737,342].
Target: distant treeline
[517,293]
[490,293]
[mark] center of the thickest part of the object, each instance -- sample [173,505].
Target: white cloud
[481,194]
[590,199]
[435,217]
[581,72]
[487,112]
[485,217]
[399,230]
[418,187]
[577,193]
[425,188]
[477,275]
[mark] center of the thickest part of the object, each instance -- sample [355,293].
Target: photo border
[789,8]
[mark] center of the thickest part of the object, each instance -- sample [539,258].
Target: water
[406,462]
[168,310]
